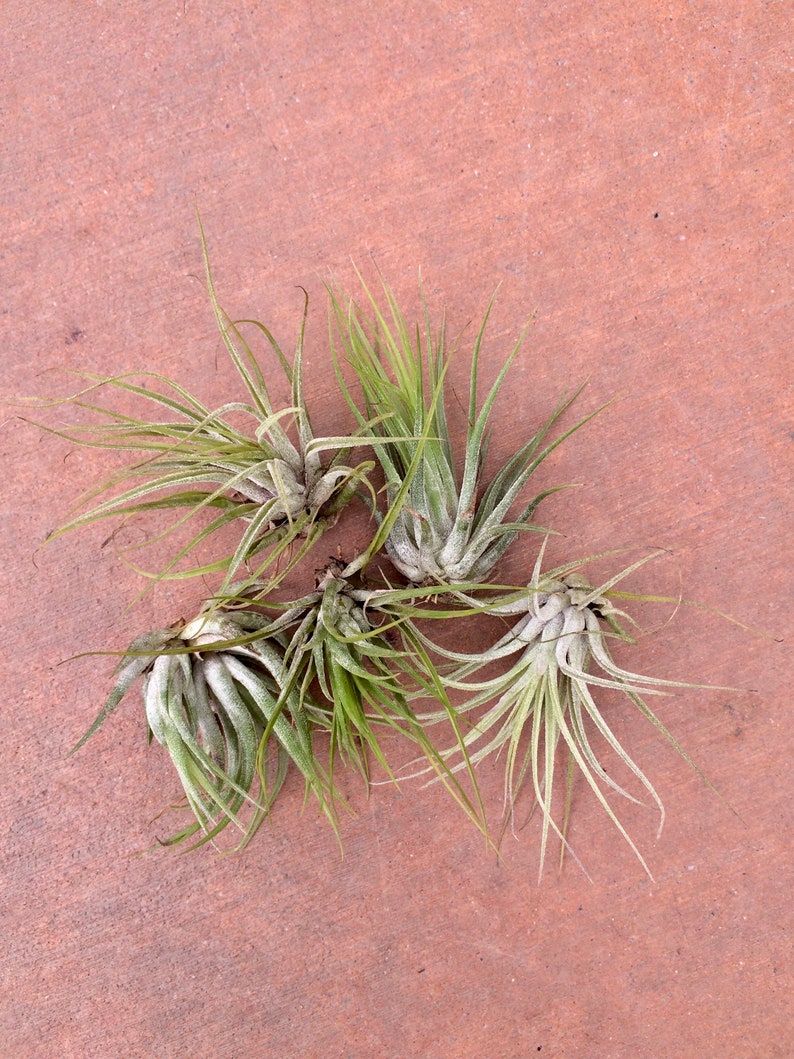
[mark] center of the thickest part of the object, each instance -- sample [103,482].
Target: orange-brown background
[622,169]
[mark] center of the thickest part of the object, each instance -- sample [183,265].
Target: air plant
[280,487]
[355,653]
[447,531]
[547,695]
[215,699]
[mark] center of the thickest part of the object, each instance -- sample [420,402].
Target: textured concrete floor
[622,169]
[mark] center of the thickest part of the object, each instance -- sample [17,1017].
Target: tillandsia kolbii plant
[215,698]
[280,487]
[354,654]
[447,531]
[547,695]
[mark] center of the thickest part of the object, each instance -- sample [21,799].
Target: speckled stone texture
[622,170]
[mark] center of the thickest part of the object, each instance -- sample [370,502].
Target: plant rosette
[246,460]
[445,531]
[559,661]
[214,699]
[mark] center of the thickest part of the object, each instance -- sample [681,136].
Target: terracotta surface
[624,170]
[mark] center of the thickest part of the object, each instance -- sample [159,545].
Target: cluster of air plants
[256,685]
